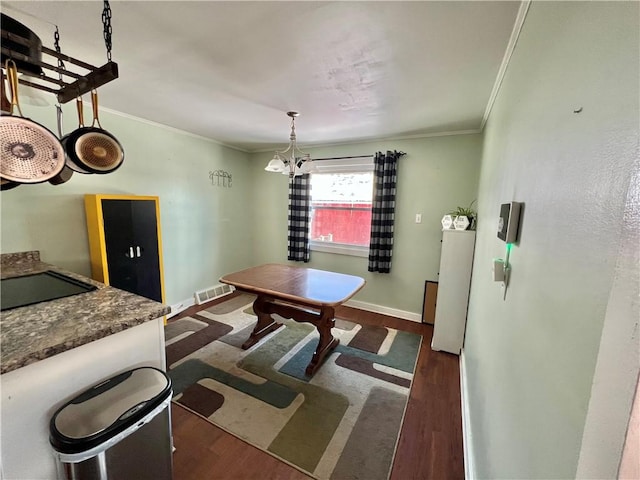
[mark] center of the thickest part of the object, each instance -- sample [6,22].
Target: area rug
[341,423]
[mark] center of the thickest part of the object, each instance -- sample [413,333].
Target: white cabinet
[456,261]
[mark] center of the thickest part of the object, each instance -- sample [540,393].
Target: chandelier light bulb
[275,165]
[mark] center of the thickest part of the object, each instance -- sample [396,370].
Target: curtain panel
[299,218]
[383,211]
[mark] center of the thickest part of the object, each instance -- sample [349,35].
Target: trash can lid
[108,408]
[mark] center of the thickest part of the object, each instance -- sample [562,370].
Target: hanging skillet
[66,173]
[6,107]
[30,152]
[69,161]
[91,148]
[7,184]
[5,104]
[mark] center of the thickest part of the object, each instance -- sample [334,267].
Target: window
[341,198]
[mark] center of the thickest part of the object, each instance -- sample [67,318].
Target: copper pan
[91,148]
[30,152]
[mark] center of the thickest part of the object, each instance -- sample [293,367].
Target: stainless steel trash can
[118,429]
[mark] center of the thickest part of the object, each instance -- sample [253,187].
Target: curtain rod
[346,158]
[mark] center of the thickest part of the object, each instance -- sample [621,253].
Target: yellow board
[95,230]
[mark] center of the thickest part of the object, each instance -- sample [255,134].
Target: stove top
[39,287]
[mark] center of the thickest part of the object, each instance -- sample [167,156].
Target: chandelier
[292,161]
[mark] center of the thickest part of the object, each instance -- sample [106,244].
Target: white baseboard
[469,464]
[178,307]
[393,312]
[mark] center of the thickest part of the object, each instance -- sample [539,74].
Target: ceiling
[230,71]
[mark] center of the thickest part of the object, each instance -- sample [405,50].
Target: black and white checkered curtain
[383,211]
[299,218]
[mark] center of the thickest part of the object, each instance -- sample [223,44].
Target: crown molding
[263,150]
[169,128]
[513,40]
[379,139]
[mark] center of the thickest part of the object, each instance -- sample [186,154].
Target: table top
[307,286]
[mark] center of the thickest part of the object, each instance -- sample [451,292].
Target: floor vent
[211,293]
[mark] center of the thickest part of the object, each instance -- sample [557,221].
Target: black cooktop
[39,287]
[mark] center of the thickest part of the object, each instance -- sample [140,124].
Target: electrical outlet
[418,218]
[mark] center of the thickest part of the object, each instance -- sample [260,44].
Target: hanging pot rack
[22,51]
[66,90]
[69,84]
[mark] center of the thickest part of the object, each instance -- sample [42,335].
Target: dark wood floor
[430,445]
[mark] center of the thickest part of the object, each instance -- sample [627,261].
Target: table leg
[326,343]
[265,325]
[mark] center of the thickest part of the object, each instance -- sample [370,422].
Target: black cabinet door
[145,236]
[118,236]
[131,238]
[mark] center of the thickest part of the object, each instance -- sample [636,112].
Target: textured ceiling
[230,70]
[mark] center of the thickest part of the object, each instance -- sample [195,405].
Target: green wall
[529,359]
[436,175]
[206,229]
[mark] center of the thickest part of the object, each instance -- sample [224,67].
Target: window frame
[351,165]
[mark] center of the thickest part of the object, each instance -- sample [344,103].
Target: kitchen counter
[52,351]
[42,330]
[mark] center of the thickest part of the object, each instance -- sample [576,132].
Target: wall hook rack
[222,178]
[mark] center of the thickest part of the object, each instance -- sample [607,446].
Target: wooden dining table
[302,294]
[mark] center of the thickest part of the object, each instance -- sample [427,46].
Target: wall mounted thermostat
[509,221]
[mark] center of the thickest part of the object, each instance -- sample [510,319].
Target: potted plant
[464,217]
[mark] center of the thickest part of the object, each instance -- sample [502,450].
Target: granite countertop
[36,332]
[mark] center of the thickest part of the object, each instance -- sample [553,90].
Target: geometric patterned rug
[341,423]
